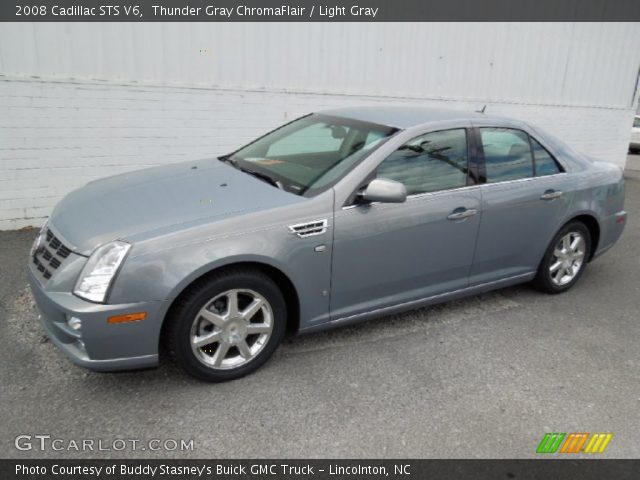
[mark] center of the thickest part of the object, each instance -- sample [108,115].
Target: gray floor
[483,377]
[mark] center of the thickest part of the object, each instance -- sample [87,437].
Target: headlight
[37,242]
[96,276]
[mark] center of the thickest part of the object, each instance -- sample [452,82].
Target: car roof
[405,116]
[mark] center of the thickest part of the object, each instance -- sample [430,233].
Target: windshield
[310,154]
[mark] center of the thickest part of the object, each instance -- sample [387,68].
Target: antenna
[483,109]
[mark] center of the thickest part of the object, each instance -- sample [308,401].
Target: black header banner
[319,469]
[318,11]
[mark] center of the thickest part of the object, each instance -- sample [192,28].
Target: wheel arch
[592,224]
[280,278]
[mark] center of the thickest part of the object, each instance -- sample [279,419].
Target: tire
[235,337]
[562,267]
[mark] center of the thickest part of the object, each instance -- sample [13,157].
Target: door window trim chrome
[518,180]
[416,195]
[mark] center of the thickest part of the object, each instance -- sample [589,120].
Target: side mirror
[385,191]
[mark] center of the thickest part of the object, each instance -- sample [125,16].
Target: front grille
[41,268]
[56,245]
[50,255]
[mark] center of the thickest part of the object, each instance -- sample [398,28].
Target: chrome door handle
[459,214]
[551,195]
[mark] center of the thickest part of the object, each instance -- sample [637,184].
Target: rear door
[522,204]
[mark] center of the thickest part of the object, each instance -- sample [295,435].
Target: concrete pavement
[483,377]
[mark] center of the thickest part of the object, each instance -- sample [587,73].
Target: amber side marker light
[129,317]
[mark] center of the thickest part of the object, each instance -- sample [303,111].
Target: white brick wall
[173,91]
[58,135]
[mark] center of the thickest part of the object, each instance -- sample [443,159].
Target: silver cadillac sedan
[333,218]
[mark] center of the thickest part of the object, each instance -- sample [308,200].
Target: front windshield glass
[312,153]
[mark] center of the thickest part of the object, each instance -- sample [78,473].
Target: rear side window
[545,163]
[507,154]
[636,122]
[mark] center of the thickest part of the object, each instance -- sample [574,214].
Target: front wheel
[565,259]
[227,326]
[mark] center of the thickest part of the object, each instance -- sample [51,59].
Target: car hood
[142,201]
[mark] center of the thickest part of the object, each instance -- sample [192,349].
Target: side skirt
[422,302]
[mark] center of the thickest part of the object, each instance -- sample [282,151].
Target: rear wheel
[565,259]
[227,326]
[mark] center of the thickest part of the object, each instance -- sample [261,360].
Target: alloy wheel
[231,329]
[568,258]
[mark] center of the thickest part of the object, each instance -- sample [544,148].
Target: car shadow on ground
[53,366]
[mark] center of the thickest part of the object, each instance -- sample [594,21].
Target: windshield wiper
[262,176]
[227,159]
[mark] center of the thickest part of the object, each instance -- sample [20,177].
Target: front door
[389,254]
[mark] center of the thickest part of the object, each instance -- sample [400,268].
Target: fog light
[75,323]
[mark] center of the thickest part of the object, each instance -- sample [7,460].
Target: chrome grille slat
[50,255]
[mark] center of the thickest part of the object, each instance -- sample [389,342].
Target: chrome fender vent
[309,229]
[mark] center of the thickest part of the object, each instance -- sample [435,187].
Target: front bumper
[99,346]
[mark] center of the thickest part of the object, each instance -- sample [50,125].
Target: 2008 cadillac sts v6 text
[336,217]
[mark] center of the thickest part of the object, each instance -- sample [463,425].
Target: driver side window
[431,162]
